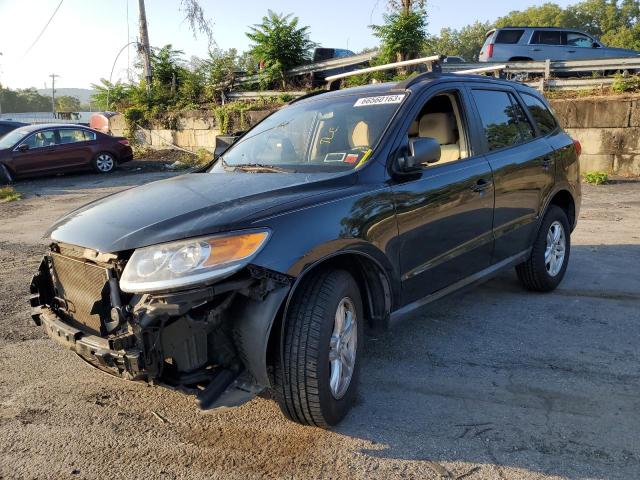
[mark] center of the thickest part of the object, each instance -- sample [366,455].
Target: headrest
[360,134]
[440,126]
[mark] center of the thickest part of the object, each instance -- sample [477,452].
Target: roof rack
[432,62]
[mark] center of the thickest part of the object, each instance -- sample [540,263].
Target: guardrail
[317,67]
[547,69]
[261,94]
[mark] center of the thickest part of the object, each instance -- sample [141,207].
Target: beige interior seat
[360,135]
[441,126]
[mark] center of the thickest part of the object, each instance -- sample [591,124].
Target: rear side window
[541,114]
[509,36]
[546,37]
[503,119]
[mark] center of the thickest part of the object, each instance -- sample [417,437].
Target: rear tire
[545,268]
[311,386]
[104,162]
[5,175]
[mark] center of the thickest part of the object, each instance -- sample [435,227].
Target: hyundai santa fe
[340,213]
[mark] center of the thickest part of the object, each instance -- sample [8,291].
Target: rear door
[547,45]
[74,148]
[445,212]
[522,163]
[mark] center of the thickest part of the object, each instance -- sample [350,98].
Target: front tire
[104,162]
[545,268]
[324,334]
[5,175]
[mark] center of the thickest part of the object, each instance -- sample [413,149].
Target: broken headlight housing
[184,263]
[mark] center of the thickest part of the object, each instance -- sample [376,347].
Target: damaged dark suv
[337,214]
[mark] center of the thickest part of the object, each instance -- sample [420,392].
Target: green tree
[466,42]
[404,31]
[280,45]
[110,96]
[67,103]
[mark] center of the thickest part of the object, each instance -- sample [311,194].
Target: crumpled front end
[210,341]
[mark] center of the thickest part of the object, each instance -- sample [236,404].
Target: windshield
[323,135]
[11,138]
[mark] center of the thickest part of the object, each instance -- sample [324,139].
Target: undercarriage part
[215,388]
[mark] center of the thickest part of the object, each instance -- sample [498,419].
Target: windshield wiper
[258,167]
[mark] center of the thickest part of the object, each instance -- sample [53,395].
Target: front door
[523,168]
[37,153]
[445,212]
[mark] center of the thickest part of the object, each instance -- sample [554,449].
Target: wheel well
[564,200]
[373,284]
[520,59]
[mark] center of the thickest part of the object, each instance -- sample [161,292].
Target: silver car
[537,43]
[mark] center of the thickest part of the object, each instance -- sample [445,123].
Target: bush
[596,178]
[8,194]
[623,84]
[132,117]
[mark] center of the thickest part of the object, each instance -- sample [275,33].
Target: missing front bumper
[95,350]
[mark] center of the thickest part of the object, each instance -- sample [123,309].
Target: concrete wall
[608,129]
[195,130]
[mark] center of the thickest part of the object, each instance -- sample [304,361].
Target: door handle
[536,49]
[546,163]
[571,51]
[481,185]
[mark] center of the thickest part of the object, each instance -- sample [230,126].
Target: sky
[83,40]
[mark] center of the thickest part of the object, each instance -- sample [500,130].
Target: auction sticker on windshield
[381,100]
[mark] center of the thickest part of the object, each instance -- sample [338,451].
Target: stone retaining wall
[608,129]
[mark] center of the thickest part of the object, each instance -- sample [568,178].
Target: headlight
[189,262]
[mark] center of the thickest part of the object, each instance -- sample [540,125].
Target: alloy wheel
[555,250]
[343,347]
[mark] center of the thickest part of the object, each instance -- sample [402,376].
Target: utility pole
[53,93]
[144,48]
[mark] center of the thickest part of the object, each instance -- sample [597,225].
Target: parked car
[453,59]
[7,125]
[341,212]
[537,43]
[49,148]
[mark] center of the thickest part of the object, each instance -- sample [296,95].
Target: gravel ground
[493,383]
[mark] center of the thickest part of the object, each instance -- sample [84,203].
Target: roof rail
[433,63]
[496,69]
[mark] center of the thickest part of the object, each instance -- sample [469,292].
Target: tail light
[490,50]
[124,142]
[578,146]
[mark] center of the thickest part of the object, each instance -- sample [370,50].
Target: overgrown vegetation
[279,45]
[596,178]
[623,84]
[8,194]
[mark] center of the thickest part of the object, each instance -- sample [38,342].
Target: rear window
[509,36]
[546,37]
[541,114]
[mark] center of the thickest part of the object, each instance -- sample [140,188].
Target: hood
[186,206]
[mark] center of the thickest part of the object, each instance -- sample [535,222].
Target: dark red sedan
[48,148]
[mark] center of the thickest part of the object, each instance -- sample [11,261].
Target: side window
[70,135]
[509,36]
[42,139]
[502,118]
[546,37]
[579,40]
[441,118]
[88,135]
[541,114]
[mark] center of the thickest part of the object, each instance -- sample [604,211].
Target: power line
[43,29]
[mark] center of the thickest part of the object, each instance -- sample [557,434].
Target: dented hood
[188,206]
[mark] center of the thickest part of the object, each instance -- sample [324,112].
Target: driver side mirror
[421,151]
[595,45]
[23,147]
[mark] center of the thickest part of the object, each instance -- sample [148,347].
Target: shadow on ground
[554,389]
